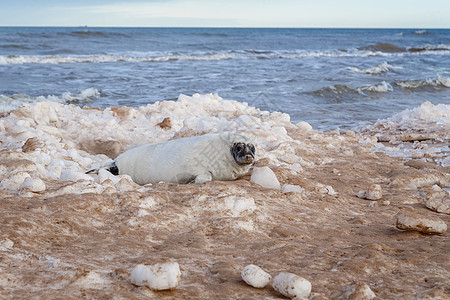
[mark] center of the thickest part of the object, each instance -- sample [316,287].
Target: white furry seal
[197,159]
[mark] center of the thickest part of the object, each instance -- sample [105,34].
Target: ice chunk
[104,174]
[265,177]
[255,276]
[35,185]
[14,182]
[162,276]
[304,126]
[288,188]
[296,167]
[73,175]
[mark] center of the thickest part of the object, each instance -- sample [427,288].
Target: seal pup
[197,159]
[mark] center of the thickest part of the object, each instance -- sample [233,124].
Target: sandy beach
[69,235]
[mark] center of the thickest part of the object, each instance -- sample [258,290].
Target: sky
[228,13]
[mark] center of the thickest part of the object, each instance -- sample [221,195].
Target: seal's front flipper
[199,179]
[93,171]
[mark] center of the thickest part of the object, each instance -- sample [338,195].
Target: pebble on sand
[440,205]
[291,285]
[373,193]
[162,276]
[360,291]
[424,224]
[265,177]
[255,276]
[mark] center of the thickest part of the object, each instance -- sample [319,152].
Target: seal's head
[243,153]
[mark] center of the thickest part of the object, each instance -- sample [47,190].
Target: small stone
[265,177]
[162,276]
[424,224]
[291,285]
[6,244]
[331,191]
[374,192]
[166,123]
[361,194]
[441,205]
[255,276]
[373,204]
[386,203]
[361,292]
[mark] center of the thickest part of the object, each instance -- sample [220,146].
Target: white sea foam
[214,56]
[8,103]
[420,32]
[382,87]
[381,68]
[439,81]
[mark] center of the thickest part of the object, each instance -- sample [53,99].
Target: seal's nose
[248,157]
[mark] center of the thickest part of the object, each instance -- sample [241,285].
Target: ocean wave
[381,68]
[391,48]
[420,32]
[383,47]
[216,56]
[438,82]
[91,33]
[341,90]
[8,103]
[15,46]
[439,47]
[382,87]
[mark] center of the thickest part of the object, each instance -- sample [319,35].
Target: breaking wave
[340,90]
[438,82]
[381,68]
[420,32]
[8,103]
[384,49]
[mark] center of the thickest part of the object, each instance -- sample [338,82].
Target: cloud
[206,13]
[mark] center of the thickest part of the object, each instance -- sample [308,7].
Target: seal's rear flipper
[110,167]
[113,169]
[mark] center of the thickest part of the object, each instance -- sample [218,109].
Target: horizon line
[219,27]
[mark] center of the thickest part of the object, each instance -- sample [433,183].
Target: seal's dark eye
[238,148]
[252,148]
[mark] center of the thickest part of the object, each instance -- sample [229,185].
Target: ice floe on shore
[50,141]
[54,141]
[420,133]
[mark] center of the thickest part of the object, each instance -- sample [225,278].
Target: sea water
[330,78]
